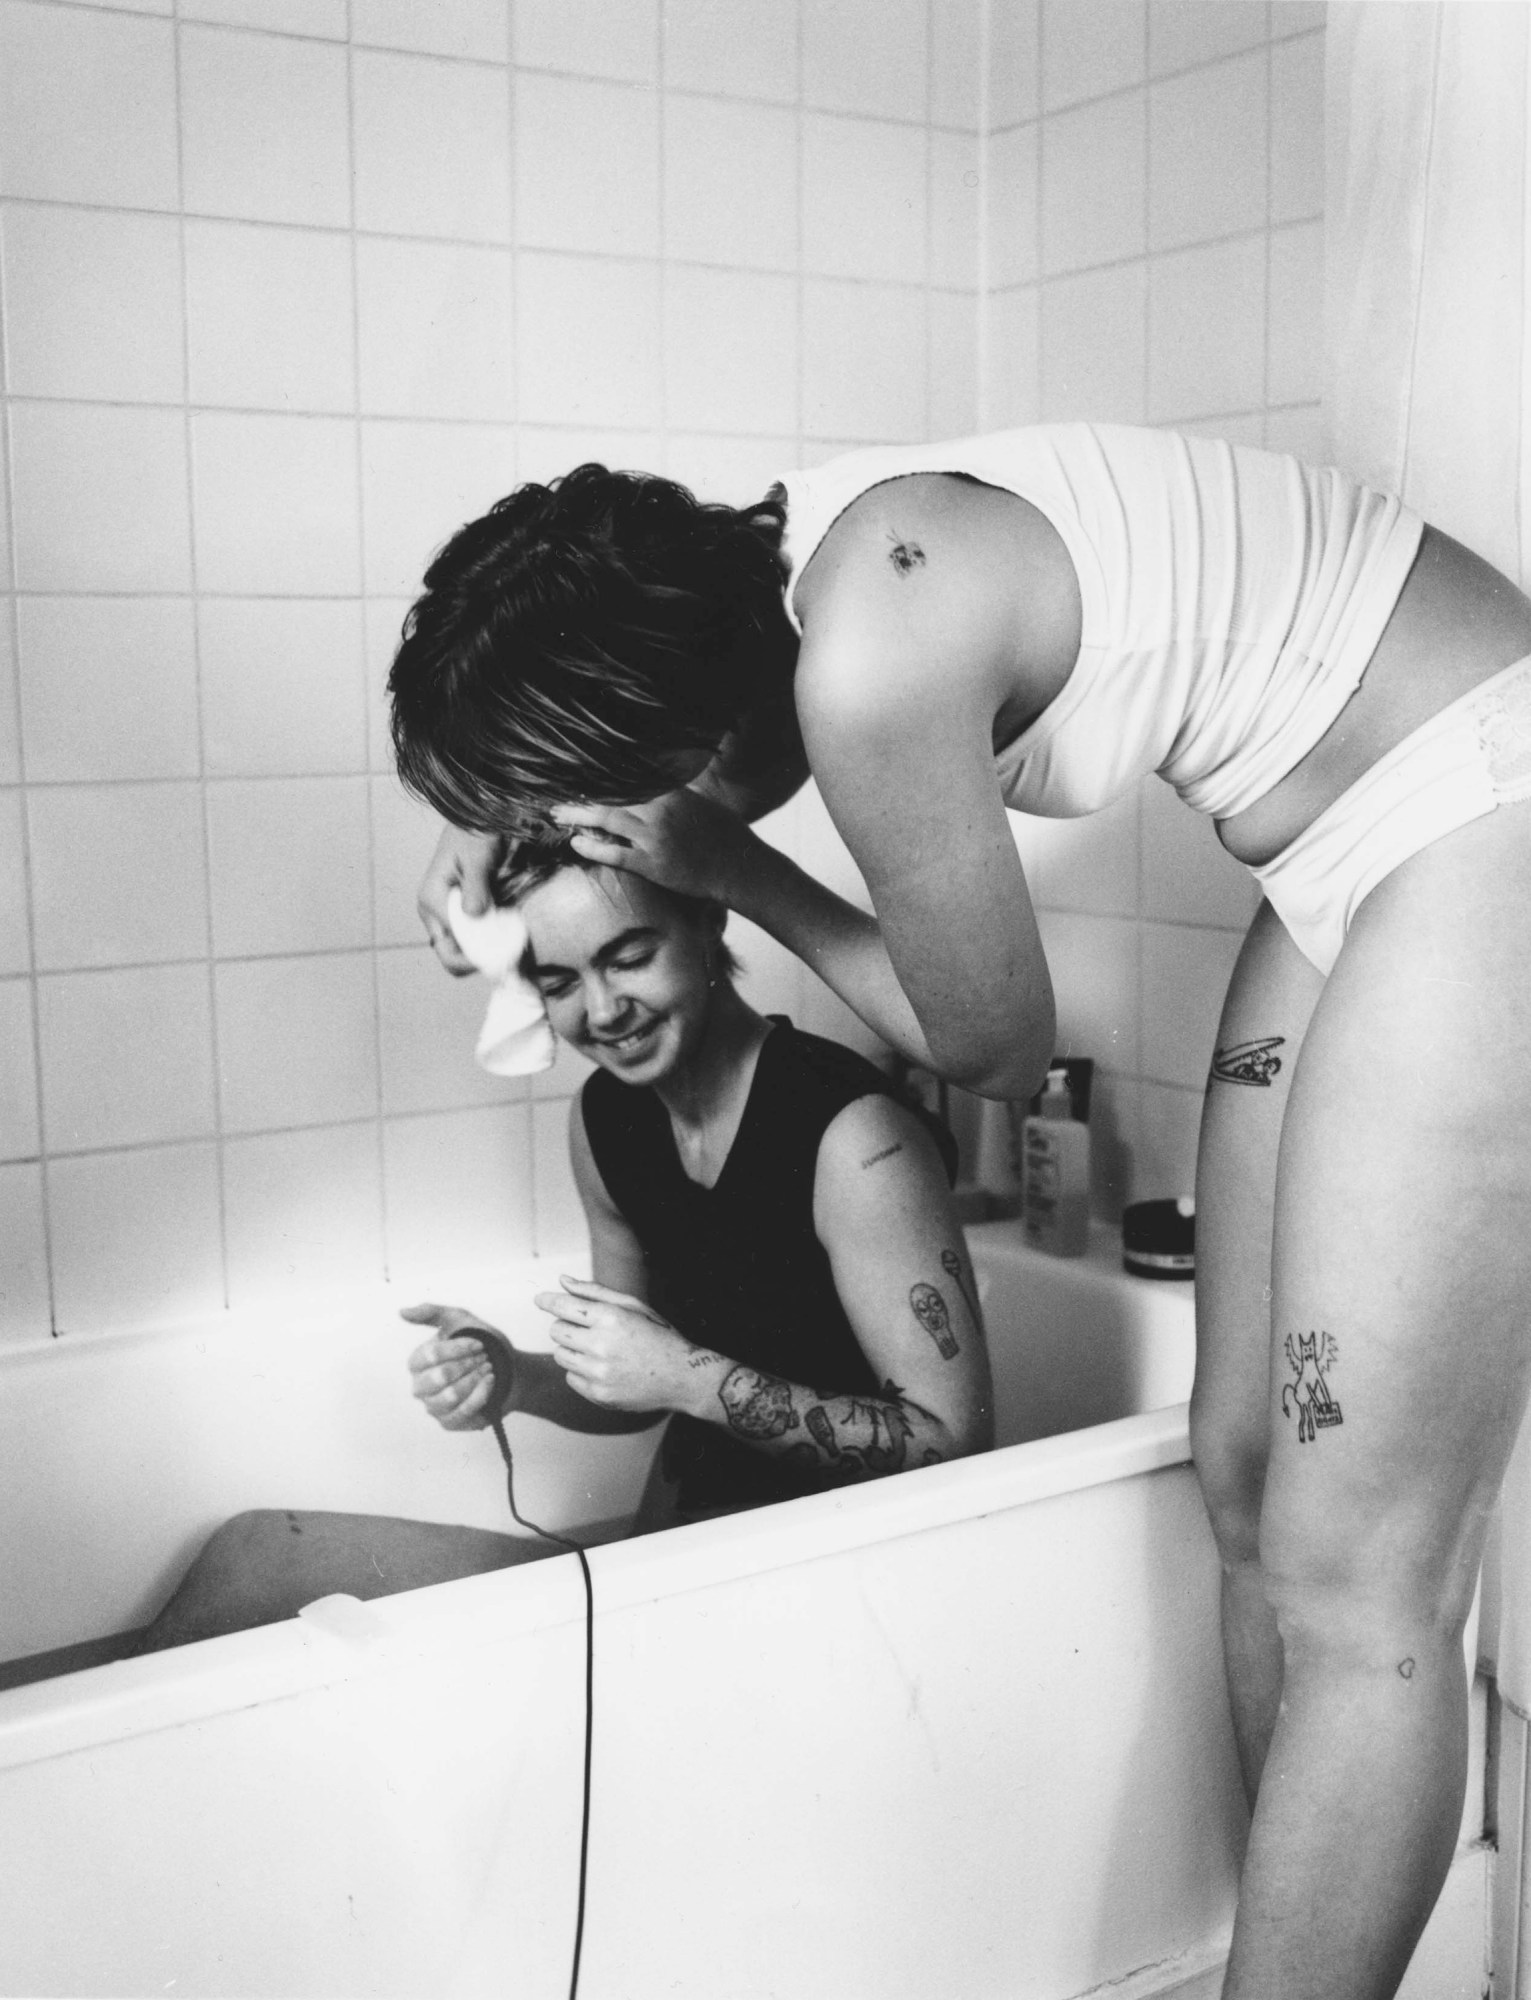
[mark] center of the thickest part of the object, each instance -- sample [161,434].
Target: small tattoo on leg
[1406,1668]
[930,1310]
[1253,1062]
[1316,1408]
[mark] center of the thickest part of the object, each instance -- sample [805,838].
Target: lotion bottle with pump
[1055,1169]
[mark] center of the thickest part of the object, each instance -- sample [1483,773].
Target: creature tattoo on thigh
[1310,1355]
[1254,1062]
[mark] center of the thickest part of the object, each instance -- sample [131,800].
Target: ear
[712,919]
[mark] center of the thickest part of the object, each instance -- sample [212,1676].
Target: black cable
[564,1542]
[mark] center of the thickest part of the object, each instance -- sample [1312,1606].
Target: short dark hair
[529,863]
[575,636]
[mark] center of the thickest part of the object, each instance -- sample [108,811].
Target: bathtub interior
[122,1452]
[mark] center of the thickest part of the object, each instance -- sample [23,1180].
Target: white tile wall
[1178,182]
[292,288]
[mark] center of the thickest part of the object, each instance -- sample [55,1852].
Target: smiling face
[625,969]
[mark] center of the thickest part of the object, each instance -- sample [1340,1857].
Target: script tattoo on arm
[929,1309]
[886,1154]
[1254,1062]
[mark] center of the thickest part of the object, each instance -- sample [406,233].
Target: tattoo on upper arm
[1310,1355]
[929,1309]
[951,1264]
[886,1153]
[906,557]
[1253,1062]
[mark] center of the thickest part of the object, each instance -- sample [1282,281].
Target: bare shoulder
[875,1156]
[945,584]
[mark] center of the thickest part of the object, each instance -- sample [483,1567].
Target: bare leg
[1270,1000]
[266,1565]
[1402,1274]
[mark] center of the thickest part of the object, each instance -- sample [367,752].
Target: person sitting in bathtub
[764,1216]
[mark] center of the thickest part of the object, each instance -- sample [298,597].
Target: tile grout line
[189,473]
[23,818]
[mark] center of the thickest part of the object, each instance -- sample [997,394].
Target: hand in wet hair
[682,841]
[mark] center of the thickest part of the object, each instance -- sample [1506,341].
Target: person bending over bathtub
[1037,620]
[778,1267]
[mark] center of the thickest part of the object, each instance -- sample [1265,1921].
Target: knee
[1361,1599]
[1230,1461]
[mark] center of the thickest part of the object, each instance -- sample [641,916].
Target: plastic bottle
[1055,1169]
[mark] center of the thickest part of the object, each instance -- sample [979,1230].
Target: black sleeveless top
[738,1267]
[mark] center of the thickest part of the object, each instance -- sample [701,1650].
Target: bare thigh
[1401,1253]
[1260,1036]
[266,1565]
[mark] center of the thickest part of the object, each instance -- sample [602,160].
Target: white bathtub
[953,1735]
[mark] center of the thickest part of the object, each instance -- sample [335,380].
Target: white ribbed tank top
[1231,601]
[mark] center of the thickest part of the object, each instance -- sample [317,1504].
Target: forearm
[543,1390]
[838,1439]
[842,944]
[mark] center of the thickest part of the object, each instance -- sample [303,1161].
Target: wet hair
[530,863]
[577,637]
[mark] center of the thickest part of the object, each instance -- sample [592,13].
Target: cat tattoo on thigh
[1316,1408]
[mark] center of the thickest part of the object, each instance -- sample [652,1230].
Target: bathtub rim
[343,1639]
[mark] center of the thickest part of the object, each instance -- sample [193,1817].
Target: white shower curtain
[1428,392]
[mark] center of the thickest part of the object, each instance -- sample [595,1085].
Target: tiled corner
[1294,360]
[93,304]
[952,364]
[609,38]
[282,687]
[432,147]
[303,1212]
[1015,64]
[265,127]
[275,505]
[1012,248]
[297,1041]
[326,18]
[956,64]
[269,316]
[136,1237]
[100,498]
[1297,129]
[955,204]
[23,1254]
[458,1192]
[127,1057]
[87,107]
[118,876]
[108,688]
[289,860]
[717,218]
